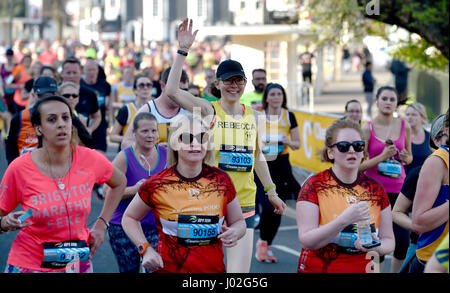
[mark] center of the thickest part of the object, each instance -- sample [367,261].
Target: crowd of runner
[200,164]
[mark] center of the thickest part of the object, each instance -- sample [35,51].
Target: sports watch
[142,248]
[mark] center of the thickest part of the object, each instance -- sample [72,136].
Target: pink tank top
[376,147]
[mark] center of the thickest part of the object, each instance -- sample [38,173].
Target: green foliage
[335,19]
[421,54]
[18,8]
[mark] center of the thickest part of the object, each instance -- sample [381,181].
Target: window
[199,7]
[155,8]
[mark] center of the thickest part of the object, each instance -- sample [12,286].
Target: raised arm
[183,98]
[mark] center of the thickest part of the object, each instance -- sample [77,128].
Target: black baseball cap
[229,68]
[45,84]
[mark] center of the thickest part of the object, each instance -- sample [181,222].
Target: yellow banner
[312,127]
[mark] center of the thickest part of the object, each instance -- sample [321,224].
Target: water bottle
[364,232]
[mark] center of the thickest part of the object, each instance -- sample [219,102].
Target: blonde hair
[183,123]
[331,133]
[66,84]
[421,109]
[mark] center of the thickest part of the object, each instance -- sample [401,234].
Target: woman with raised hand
[236,131]
[334,203]
[195,206]
[54,183]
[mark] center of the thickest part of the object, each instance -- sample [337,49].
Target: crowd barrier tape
[312,127]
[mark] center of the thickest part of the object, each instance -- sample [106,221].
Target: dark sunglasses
[68,96]
[440,135]
[188,138]
[145,85]
[344,146]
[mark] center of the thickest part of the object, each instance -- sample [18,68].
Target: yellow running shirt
[235,146]
[275,130]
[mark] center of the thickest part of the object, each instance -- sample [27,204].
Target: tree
[427,20]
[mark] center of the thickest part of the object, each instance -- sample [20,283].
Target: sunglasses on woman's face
[344,146]
[188,138]
[144,85]
[68,96]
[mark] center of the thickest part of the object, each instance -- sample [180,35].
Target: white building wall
[155,20]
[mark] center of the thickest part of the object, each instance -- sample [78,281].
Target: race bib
[197,229]
[26,150]
[235,158]
[59,255]
[273,148]
[101,101]
[390,168]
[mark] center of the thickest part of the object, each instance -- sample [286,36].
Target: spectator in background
[71,93]
[254,98]
[50,72]
[21,74]
[87,108]
[210,76]
[400,72]
[195,90]
[47,56]
[104,98]
[123,91]
[346,59]
[369,85]
[306,63]
[353,111]
[142,86]
[22,136]
[416,115]
[7,79]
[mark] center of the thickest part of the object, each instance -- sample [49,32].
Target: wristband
[104,221]
[269,187]
[181,52]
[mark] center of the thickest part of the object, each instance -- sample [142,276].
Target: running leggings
[287,188]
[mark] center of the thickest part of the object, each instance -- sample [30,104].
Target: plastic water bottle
[364,232]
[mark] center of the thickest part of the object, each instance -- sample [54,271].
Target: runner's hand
[228,236]
[356,212]
[278,204]
[96,237]
[11,223]
[185,36]
[152,260]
